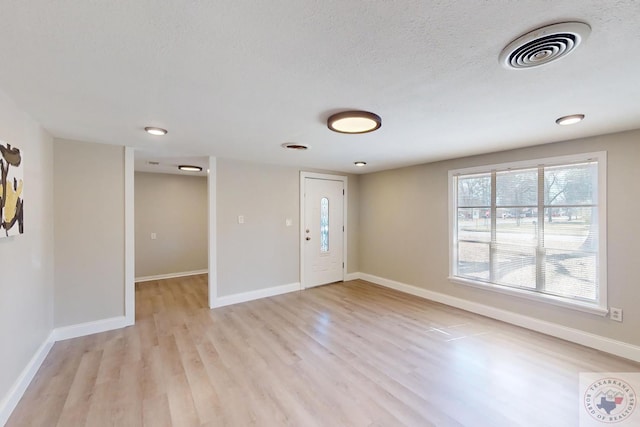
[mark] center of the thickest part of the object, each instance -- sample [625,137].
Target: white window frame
[599,307]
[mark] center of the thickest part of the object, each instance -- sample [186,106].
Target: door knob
[308,238]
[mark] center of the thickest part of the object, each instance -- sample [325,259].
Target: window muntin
[534,229]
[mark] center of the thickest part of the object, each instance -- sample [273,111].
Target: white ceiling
[237,79]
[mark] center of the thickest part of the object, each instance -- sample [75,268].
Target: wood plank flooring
[348,354]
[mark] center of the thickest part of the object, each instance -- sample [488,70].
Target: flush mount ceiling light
[360,164]
[190,168]
[155,131]
[570,120]
[544,45]
[294,146]
[354,122]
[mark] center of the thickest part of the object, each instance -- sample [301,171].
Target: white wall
[26,261]
[262,252]
[174,207]
[89,232]
[404,232]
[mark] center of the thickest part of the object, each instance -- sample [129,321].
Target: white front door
[323,232]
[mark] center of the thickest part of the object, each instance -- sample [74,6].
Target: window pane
[517,226]
[515,266]
[474,224]
[506,213]
[571,240]
[571,228]
[324,225]
[517,188]
[474,190]
[571,274]
[570,185]
[473,260]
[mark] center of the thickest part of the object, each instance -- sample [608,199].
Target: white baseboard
[88,328]
[253,295]
[170,275]
[351,276]
[619,348]
[9,402]
[11,399]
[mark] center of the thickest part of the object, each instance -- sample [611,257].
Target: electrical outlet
[615,314]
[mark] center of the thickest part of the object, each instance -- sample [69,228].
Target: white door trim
[129,237]
[213,242]
[304,175]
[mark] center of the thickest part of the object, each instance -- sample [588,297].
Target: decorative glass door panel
[324,225]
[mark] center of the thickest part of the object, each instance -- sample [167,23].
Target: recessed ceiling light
[294,146]
[190,168]
[360,164]
[570,120]
[155,131]
[354,122]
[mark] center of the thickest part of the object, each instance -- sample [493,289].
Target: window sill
[541,298]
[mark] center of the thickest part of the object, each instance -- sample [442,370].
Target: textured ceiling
[237,79]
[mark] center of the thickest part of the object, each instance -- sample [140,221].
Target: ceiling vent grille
[294,146]
[544,45]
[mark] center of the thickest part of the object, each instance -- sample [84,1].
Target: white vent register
[544,45]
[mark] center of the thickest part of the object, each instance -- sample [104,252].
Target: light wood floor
[350,354]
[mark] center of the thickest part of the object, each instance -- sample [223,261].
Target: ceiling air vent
[544,45]
[293,146]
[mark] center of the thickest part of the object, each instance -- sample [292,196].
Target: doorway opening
[168,234]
